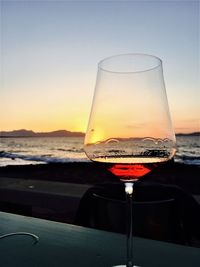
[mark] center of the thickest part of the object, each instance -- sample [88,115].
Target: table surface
[65,245]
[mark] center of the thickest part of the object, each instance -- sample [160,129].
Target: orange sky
[50,51]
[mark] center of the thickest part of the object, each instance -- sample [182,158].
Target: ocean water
[23,151]
[188,150]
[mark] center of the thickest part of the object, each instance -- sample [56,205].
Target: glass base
[125,266]
[33,236]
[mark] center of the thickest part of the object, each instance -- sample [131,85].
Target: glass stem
[129,197]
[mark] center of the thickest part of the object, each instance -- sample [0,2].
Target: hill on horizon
[188,134]
[60,133]
[30,133]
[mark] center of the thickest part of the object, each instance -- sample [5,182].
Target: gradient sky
[50,51]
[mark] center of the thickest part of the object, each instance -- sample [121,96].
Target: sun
[95,135]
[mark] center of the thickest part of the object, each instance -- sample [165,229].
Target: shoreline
[185,176]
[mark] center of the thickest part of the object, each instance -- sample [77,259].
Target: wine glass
[130,130]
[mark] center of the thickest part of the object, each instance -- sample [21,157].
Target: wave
[40,159]
[190,159]
[74,150]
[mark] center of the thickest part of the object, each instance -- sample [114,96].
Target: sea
[43,150]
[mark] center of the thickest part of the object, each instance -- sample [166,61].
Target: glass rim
[100,67]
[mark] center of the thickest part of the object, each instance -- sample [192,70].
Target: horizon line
[82,132]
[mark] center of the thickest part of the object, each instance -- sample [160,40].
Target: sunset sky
[50,50]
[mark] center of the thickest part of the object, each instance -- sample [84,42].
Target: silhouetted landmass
[60,133]
[188,134]
[27,133]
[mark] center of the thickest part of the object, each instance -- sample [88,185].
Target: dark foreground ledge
[185,176]
[73,246]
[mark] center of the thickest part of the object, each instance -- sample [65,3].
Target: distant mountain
[60,133]
[27,133]
[188,134]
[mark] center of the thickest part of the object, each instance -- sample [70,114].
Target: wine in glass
[130,130]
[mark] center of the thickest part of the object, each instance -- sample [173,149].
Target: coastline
[182,175]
